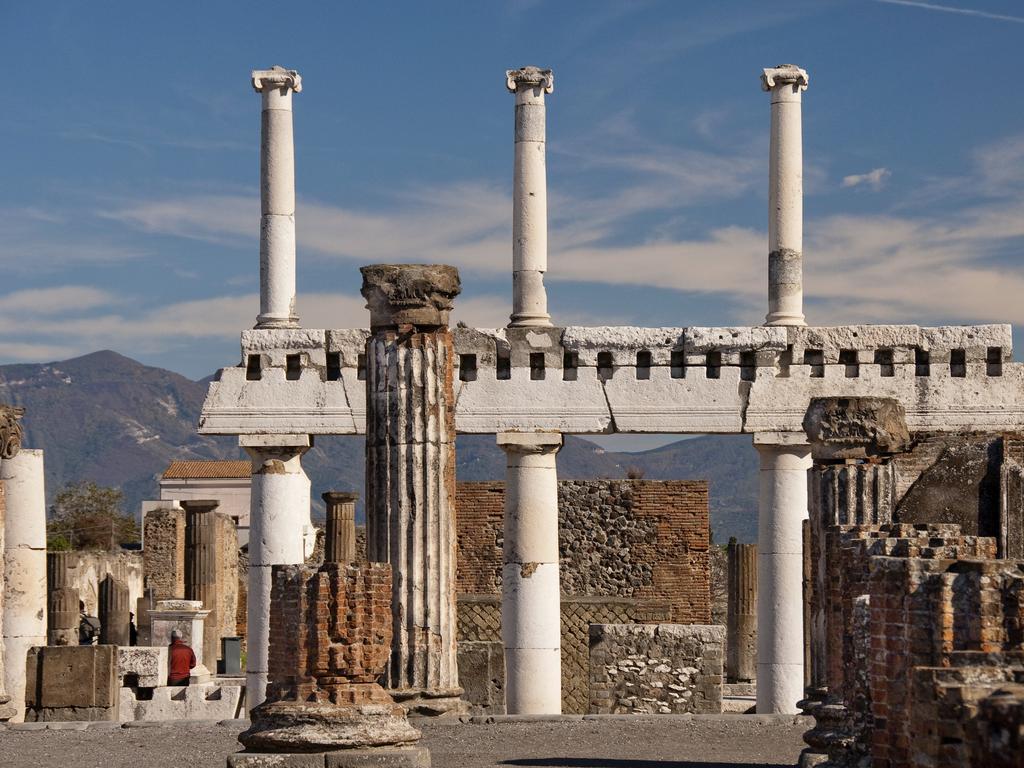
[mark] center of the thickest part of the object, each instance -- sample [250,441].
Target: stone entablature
[625,379]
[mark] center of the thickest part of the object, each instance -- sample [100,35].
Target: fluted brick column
[741,617]
[785,196]
[62,600]
[201,570]
[340,539]
[410,474]
[115,612]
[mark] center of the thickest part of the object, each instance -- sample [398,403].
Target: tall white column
[529,196]
[780,613]
[279,523]
[785,196]
[530,593]
[24,623]
[277,197]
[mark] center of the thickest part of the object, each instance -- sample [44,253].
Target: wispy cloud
[953,9]
[874,179]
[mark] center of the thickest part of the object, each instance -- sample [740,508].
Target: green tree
[89,516]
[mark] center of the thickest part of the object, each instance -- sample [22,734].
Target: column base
[275,321]
[780,318]
[526,320]
[370,757]
[431,702]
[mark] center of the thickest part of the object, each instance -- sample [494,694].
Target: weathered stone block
[72,683]
[482,675]
[263,760]
[141,666]
[385,757]
[202,701]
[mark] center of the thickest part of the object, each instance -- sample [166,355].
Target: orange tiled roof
[190,470]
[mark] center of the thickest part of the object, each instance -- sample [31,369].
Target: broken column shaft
[278,521]
[785,196]
[780,573]
[62,600]
[529,196]
[277,197]
[201,570]
[530,594]
[340,538]
[741,613]
[410,474]
[24,607]
[115,612]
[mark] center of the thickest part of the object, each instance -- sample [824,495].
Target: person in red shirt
[181,660]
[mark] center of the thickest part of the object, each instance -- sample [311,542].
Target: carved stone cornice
[276,77]
[530,77]
[11,432]
[784,74]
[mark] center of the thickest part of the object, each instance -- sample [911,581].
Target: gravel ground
[666,742]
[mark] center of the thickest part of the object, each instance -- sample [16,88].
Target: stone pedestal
[115,612]
[163,551]
[410,474]
[62,612]
[201,581]
[24,617]
[277,197]
[780,615]
[340,541]
[529,196]
[189,617]
[330,639]
[741,616]
[785,196]
[530,594]
[278,527]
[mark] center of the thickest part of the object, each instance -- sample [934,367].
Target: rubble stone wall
[164,553]
[642,539]
[656,668]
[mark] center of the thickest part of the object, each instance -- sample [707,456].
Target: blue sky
[129,203]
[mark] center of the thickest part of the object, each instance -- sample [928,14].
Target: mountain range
[107,418]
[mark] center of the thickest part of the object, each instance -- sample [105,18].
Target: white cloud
[874,179]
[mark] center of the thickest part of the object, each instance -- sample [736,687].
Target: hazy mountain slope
[107,418]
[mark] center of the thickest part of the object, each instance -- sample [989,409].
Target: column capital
[530,77]
[339,497]
[413,294]
[276,77]
[784,74]
[10,431]
[529,442]
[200,505]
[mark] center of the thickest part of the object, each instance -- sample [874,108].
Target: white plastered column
[279,526]
[782,505]
[277,197]
[529,196]
[530,592]
[24,623]
[785,82]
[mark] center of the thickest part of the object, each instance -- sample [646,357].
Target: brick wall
[642,539]
[631,551]
[164,553]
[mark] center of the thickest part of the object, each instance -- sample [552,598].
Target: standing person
[181,661]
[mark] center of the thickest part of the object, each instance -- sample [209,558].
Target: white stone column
[24,622]
[785,460]
[530,592]
[277,197]
[278,524]
[785,196]
[529,196]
